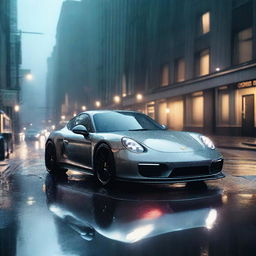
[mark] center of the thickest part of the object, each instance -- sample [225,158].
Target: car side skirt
[87,170]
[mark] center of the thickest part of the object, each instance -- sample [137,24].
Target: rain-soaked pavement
[48,216]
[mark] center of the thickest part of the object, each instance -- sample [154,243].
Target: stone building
[189,64]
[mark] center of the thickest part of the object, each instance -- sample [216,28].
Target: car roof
[93,112]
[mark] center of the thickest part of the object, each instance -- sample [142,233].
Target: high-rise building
[191,65]
[10,59]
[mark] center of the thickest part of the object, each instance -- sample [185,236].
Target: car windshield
[124,121]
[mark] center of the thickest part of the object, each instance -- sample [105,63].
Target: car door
[78,148]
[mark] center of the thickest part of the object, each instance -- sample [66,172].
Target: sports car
[130,146]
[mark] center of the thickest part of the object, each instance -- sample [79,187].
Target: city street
[45,215]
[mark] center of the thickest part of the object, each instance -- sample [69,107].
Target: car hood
[166,141]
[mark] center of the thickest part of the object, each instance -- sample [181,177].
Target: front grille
[217,166]
[190,171]
[152,170]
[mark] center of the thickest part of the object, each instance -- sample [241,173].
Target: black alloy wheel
[104,165]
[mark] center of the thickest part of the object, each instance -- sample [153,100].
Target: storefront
[225,110]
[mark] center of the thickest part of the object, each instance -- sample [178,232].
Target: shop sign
[246,84]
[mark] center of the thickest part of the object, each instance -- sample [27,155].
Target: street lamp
[16,108]
[139,96]
[117,99]
[83,108]
[98,104]
[63,117]
[29,77]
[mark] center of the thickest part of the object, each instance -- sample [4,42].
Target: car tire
[51,160]
[104,165]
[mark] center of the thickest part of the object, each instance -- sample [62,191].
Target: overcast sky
[38,16]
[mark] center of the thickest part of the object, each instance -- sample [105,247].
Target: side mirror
[164,127]
[80,129]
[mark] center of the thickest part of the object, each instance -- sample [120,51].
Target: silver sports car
[127,145]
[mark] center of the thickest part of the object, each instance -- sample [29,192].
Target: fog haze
[36,16]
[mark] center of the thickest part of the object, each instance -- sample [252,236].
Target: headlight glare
[207,142]
[132,145]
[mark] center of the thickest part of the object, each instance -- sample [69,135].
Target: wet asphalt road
[48,216]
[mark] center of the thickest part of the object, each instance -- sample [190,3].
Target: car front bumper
[159,167]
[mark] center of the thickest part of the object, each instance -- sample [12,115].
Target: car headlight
[207,142]
[132,145]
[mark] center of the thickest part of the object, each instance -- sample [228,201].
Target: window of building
[175,114]
[151,110]
[243,46]
[204,23]
[162,113]
[124,86]
[203,63]
[224,108]
[165,75]
[197,102]
[180,70]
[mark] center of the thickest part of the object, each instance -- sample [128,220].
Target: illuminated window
[224,108]
[165,75]
[197,116]
[162,114]
[203,63]
[124,86]
[175,114]
[204,23]
[243,46]
[151,110]
[180,70]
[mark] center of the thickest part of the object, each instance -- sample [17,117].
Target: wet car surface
[70,215]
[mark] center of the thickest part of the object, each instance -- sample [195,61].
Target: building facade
[190,64]
[10,59]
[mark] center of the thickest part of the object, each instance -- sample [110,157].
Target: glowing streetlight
[24,128]
[83,108]
[63,117]
[29,77]
[139,96]
[53,127]
[217,69]
[98,104]
[16,108]
[74,114]
[117,99]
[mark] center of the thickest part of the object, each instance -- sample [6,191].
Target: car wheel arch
[102,142]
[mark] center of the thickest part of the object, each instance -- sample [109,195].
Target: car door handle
[65,141]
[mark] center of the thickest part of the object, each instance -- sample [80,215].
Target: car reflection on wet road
[70,215]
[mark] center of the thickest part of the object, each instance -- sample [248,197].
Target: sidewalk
[231,142]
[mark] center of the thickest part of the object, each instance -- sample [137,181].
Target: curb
[237,148]
[249,144]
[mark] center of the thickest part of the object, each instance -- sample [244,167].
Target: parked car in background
[32,134]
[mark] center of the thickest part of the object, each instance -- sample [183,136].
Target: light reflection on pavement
[79,218]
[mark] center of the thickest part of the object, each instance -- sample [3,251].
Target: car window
[71,123]
[124,121]
[84,120]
